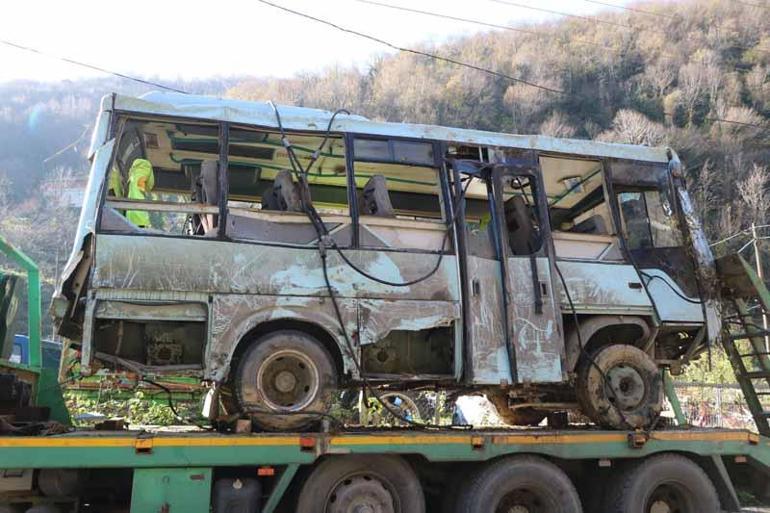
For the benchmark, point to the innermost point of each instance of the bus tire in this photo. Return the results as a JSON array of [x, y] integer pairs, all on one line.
[[283, 374], [513, 483], [371, 482], [636, 397], [676, 482]]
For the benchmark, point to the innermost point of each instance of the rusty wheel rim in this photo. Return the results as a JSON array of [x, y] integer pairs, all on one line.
[[628, 387], [288, 380]]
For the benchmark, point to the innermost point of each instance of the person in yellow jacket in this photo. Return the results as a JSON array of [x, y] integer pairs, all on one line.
[[141, 180]]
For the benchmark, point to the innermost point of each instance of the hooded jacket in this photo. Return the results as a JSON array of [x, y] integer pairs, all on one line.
[[141, 180]]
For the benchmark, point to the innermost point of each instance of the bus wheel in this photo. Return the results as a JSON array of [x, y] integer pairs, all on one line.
[[514, 417], [523, 484], [620, 387], [365, 483], [283, 375], [663, 484]]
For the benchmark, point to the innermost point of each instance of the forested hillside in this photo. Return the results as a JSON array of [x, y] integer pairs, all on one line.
[[661, 74], [694, 75]]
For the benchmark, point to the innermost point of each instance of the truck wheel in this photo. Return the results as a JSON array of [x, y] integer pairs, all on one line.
[[620, 387], [526, 484], [517, 417], [366, 483], [665, 483], [284, 374]]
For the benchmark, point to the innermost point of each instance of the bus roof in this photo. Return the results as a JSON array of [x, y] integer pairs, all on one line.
[[306, 119]]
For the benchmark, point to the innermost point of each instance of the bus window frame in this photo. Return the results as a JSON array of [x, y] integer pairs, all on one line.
[[438, 166], [668, 183]]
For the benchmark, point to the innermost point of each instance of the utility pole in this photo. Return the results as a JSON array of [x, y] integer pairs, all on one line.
[[761, 274]]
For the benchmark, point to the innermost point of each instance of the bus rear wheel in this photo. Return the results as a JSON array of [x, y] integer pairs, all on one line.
[[362, 483], [668, 483], [522, 484], [285, 380], [620, 387]]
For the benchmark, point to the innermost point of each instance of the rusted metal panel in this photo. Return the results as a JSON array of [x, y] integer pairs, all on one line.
[[252, 283], [604, 288], [537, 336], [488, 357], [173, 264], [379, 317], [151, 311], [234, 315]]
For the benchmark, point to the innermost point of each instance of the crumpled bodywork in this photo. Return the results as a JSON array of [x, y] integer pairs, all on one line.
[[706, 267], [250, 284]]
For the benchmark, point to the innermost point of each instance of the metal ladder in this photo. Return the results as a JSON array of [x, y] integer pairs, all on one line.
[[745, 300]]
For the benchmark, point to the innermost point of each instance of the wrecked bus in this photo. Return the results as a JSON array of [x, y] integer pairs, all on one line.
[[284, 253]]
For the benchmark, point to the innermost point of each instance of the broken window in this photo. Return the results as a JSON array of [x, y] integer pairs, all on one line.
[[152, 183], [576, 196], [646, 206], [581, 221], [399, 194], [520, 213], [648, 220], [266, 198]]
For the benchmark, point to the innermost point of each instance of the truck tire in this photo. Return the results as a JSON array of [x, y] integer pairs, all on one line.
[[283, 374], [668, 482], [516, 417], [519, 483], [620, 387], [372, 483]]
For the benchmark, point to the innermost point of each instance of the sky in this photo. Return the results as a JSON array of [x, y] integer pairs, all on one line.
[[172, 39]]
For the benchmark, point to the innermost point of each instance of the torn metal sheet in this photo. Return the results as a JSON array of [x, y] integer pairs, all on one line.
[[379, 317], [235, 315]]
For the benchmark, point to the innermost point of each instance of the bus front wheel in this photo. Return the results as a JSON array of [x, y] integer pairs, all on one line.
[[285, 381], [620, 387]]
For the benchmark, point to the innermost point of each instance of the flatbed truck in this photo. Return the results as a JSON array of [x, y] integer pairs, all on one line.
[[145, 472], [52, 468]]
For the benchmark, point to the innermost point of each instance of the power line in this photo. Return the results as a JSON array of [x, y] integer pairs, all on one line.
[[672, 17], [80, 138], [632, 9], [577, 16], [728, 121], [607, 22], [90, 66], [449, 17], [487, 24], [410, 50]]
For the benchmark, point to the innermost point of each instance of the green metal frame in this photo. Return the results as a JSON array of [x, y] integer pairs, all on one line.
[[189, 459], [34, 315], [668, 386]]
